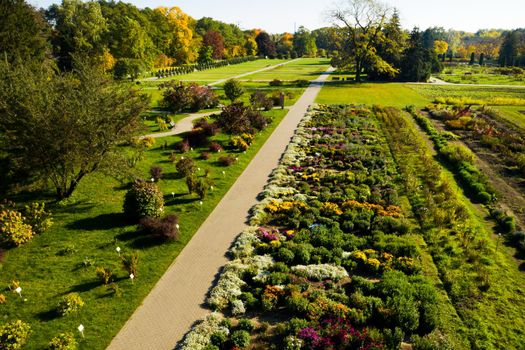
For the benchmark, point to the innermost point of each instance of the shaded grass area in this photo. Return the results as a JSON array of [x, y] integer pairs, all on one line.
[[85, 235], [395, 95]]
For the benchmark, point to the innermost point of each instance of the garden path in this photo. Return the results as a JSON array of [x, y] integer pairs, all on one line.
[[178, 299]]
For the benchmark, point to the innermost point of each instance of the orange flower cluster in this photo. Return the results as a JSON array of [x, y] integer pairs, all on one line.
[[392, 210], [276, 206], [332, 208]]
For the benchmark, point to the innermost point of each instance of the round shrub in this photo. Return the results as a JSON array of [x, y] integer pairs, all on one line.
[[233, 89], [63, 341], [276, 82], [13, 230], [508, 224], [69, 304], [144, 199], [245, 325], [285, 255], [37, 216], [484, 197], [13, 335], [185, 167], [219, 338], [240, 339], [166, 228]]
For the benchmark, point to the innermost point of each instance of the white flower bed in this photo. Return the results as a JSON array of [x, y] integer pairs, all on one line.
[[199, 337], [321, 272], [227, 289]]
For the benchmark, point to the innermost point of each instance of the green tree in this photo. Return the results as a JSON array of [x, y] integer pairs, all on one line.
[[304, 43], [23, 31], [472, 59], [509, 49], [79, 29], [360, 24], [128, 67], [233, 89], [417, 61], [481, 59], [265, 46], [205, 54], [60, 127]]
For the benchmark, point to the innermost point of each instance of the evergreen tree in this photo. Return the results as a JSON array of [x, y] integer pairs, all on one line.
[[509, 49], [417, 60], [265, 46], [472, 59], [481, 59]]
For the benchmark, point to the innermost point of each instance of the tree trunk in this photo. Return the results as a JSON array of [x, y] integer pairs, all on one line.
[[358, 71]]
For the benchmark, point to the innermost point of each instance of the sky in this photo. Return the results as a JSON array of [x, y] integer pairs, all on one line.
[[278, 16]]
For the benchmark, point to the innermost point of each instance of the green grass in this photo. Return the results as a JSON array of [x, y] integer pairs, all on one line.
[[91, 226], [514, 114], [476, 92], [395, 95], [476, 74], [302, 69]]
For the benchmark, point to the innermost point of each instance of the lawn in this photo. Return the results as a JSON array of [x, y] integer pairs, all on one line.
[[87, 231], [466, 74], [302, 69], [476, 92], [514, 114], [395, 95]]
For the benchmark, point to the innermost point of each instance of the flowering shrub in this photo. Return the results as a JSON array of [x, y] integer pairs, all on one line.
[[14, 335], [178, 97], [13, 230], [143, 199], [228, 288], [69, 304], [199, 336], [321, 272], [63, 341], [37, 217]]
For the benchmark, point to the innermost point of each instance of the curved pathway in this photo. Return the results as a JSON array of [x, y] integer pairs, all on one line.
[[177, 300]]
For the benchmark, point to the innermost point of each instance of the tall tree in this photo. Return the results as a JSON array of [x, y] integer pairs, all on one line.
[[417, 61], [509, 49], [78, 30], [60, 127], [360, 23], [182, 45], [23, 31], [214, 40], [265, 45], [304, 43]]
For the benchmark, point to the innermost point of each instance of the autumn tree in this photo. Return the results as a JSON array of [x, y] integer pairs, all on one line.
[[23, 31], [360, 23], [214, 40], [182, 42], [58, 127], [265, 45]]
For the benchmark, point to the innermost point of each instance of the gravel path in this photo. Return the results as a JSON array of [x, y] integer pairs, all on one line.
[[177, 301]]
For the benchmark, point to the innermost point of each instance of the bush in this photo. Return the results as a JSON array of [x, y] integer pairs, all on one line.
[[144, 199], [205, 155], [245, 325], [156, 173], [13, 335], [178, 97], [63, 341], [226, 160], [276, 82], [130, 263], [240, 339], [201, 188], [182, 146], [105, 275], [259, 100], [185, 167], [239, 144], [13, 230], [237, 119], [165, 228], [191, 183], [219, 338], [233, 89], [69, 304], [37, 216], [215, 147], [302, 83]]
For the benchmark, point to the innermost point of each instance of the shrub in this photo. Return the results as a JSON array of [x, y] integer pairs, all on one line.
[[239, 144], [130, 263], [237, 119], [259, 100], [302, 83], [3, 299], [185, 167], [105, 275], [182, 146], [226, 160], [210, 129], [13, 230], [233, 89], [245, 325], [145, 142], [63, 341], [165, 228], [219, 338], [156, 173], [144, 199], [13, 335], [205, 155], [215, 147], [240, 339], [191, 183], [276, 82], [201, 188], [238, 307], [178, 97], [69, 304], [37, 216]]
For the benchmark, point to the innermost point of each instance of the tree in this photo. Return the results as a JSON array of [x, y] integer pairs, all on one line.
[[23, 31], [472, 59], [509, 49], [250, 46], [125, 67], [304, 43], [205, 54], [59, 127], [417, 61], [441, 47], [214, 40], [233, 89], [182, 43], [481, 59], [265, 46], [79, 29], [360, 24]]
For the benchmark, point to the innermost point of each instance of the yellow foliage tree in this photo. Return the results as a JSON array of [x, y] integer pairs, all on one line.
[[441, 47], [183, 43], [107, 61]]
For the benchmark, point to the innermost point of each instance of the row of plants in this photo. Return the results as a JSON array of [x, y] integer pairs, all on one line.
[[190, 68], [460, 158], [330, 251], [463, 251]]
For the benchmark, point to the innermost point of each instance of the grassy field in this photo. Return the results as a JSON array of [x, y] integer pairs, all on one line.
[[302, 69], [85, 235], [395, 95], [477, 92], [466, 74], [514, 114]]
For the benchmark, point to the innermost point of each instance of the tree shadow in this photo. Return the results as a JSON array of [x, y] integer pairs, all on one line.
[[49, 315], [522, 266], [83, 287], [147, 241], [100, 223]]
